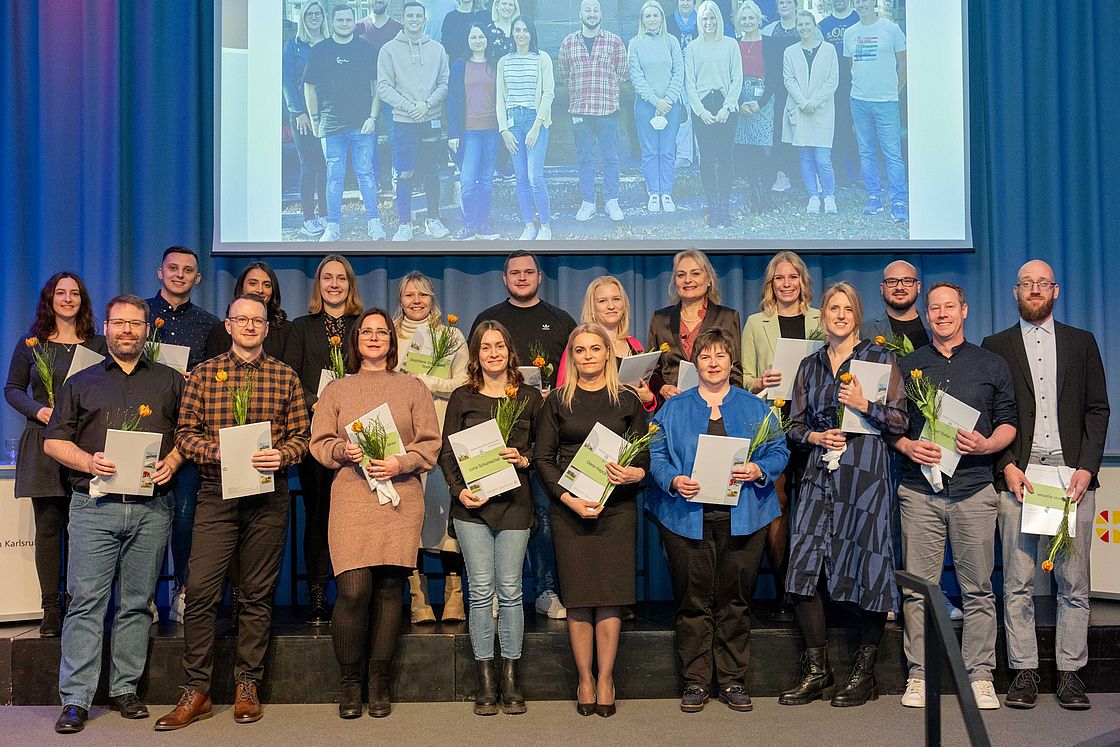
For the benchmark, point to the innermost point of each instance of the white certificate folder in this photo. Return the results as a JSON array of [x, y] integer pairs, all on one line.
[[135, 454], [716, 456], [238, 444], [478, 452]]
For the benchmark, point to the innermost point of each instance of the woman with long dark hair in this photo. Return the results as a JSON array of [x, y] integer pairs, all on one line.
[[63, 320], [257, 279]]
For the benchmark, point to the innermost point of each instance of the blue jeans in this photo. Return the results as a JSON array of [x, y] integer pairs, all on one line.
[[110, 541], [542, 556], [877, 122], [816, 163], [494, 560], [186, 499], [361, 148], [416, 153], [312, 173], [589, 132], [479, 151], [659, 149], [528, 166]]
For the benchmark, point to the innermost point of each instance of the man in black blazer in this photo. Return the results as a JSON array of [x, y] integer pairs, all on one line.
[[1062, 400]]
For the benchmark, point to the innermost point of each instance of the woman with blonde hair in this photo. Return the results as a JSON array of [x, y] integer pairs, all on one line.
[[312, 29], [787, 292], [334, 307], [695, 298], [499, 32], [417, 313], [595, 542]]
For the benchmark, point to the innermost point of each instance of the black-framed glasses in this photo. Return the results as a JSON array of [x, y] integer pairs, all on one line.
[[368, 333], [243, 321], [893, 282], [120, 324], [1042, 285]]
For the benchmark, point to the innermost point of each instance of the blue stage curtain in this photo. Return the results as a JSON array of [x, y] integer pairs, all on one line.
[[106, 150]]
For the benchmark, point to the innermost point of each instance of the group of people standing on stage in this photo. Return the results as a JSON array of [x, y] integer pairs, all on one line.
[[757, 93], [819, 502]]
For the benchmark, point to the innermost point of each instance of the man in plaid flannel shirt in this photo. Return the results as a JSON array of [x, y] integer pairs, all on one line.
[[251, 527], [592, 64]]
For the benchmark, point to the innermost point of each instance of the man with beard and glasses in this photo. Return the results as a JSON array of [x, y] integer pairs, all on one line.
[[116, 540], [900, 288], [539, 327], [592, 63], [1062, 400]]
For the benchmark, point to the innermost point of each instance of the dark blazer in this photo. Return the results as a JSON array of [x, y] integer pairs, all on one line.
[[665, 326], [1082, 398]]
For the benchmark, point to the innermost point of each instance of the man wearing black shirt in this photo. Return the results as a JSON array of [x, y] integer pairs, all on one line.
[[340, 85], [900, 288], [964, 506], [116, 540], [534, 324]]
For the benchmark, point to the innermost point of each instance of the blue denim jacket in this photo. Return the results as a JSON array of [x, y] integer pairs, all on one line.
[[293, 63], [683, 418]]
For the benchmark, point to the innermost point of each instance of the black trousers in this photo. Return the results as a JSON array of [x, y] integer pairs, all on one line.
[[716, 155], [315, 483], [713, 581], [252, 530]]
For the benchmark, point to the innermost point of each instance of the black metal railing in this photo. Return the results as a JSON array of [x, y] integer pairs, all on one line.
[[941, 641]]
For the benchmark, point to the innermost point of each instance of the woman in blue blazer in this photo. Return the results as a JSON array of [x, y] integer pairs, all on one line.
[[714, 552]]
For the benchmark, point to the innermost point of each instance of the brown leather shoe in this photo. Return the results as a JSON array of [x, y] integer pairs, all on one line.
[[247, 708], [193, 706]]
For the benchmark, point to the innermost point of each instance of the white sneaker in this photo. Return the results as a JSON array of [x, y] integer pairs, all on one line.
[[781, 183], [529, 233], [404, 232], [614, 211], [311, 228], [332, 232], [667, 205], [985, 693], [814, 205], [955, 613], [654, 205], [548, 604], [915, 695], [154, 610], [434, 228], [545, 234], [830, 204], [374, 229], [178, 605], [586, 210]]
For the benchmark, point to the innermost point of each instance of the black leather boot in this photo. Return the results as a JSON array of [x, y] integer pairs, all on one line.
[[350, 699], [512, 699], [860, 686], [486, 696], [815, 682], [380, 704], [51, 624], [317, 606]]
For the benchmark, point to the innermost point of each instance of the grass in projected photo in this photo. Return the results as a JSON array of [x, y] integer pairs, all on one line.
[[788, 162]]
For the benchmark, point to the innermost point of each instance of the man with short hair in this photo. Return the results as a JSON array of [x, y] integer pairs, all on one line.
[[179, 321], [845, 153], [964, 509], [116, 540], [534, 324], [877, 48], [592, 64], [251, 527], [340, 85], [1063, 410], [900, 288], [412, 78]]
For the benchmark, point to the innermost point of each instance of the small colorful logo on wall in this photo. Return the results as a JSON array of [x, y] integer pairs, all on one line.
[[1107, 526]]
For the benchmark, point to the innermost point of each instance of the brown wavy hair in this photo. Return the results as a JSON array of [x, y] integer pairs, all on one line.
[[474, 346], [44, 325], [353, 353]]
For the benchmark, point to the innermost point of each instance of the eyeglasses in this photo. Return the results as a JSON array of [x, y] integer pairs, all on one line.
[[1042, 285], [906, 282], [367, 333], [243, 321], [117, 325]]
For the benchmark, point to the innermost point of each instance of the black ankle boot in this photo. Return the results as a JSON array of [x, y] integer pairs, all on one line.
[[317, 606], [350, 699], [860, 686], [51, 624], [380, 704], [486, 696], [512, 699], [815, 682]]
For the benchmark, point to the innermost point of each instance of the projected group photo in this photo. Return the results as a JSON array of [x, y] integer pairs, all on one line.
[[599, 120]]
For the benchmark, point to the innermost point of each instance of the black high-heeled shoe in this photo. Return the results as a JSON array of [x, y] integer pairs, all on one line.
[[606, 710], [584, 709]]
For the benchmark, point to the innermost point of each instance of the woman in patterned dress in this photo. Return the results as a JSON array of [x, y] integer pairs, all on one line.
[[842, 530]]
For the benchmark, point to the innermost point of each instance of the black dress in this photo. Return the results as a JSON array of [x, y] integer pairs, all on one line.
[[595, 558], [37, 475]]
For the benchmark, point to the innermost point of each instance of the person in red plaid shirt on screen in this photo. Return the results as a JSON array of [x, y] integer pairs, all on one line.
[[592, 64]]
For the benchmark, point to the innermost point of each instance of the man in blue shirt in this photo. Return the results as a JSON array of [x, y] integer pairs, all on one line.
[[965, 507]]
